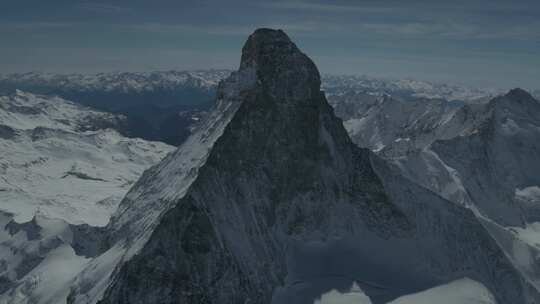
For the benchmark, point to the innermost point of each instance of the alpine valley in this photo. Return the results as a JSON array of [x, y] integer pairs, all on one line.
[[285, 187]]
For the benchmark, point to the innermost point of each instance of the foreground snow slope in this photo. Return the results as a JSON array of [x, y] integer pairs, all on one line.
[[63, 171], [462, 291], [56, 157]]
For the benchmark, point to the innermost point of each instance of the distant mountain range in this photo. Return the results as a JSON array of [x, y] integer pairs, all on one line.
[[192, 87], [158, 106], [404, 88], [164, 105], [120, 82]]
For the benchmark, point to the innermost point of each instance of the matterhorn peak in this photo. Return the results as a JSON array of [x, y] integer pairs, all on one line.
[[280, 65]]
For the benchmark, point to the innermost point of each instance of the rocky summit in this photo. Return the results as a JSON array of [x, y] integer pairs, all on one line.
[[269, 201]]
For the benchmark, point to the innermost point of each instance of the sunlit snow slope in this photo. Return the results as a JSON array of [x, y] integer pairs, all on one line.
[[56, 159], [63, 171]]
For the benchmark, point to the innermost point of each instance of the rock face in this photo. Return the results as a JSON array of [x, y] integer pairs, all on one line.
[[377, 122], [500, 158], [494, 169], [481, 155], [283, 207]]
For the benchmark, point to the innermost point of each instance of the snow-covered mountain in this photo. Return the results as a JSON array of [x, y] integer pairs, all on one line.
[[63, 170], [269, 201], [207, 80], [51, 146], [484, 156], [375, 122], [406, 89], [116, 81], [158, 105]]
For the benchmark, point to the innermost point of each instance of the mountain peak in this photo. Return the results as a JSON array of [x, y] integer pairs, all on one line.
[[518, 94], [264, 43], [280, 66], [517, 100]]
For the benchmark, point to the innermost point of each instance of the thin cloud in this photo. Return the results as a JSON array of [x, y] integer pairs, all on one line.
[[161, 28], [105, 8], [324, 7], [453, 30], [32, 26], [227, 30]]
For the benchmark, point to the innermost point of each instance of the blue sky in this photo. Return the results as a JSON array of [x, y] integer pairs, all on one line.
[[477, 42]]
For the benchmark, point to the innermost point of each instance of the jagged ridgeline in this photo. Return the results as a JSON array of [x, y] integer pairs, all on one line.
[[282, 207]]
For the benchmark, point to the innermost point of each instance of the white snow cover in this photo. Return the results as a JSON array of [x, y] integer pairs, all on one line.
[[39, 261], [463, 291], [26, 111], [208, 79], [530, 234], [50, 280], [123, 81], [354, 295], [52, 174], [64, 173], [336, 84], [529, 194]]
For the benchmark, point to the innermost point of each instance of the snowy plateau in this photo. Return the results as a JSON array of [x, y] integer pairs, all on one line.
[[290, 188]]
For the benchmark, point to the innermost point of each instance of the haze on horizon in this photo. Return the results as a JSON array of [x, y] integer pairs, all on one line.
[[479, 42]]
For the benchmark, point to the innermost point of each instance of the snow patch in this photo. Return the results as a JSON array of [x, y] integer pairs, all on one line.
[[530, 234], [463, 291], [354, 295], [50, 281], [529, 194], [510, 127]]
